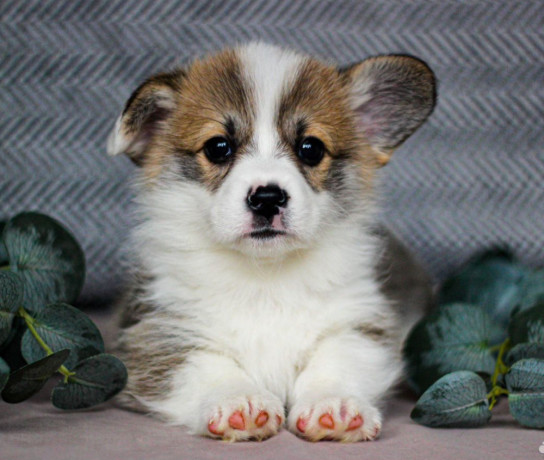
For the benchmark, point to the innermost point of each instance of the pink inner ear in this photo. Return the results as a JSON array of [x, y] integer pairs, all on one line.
[[372, 120]]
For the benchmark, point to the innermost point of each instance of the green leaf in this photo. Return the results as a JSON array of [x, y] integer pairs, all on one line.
[[11, 291], [6, 321], [528, 325], [4, 373], [30, 379], [524, 351], [47, 257], [492, 281], [455, 337], [97, 379], [458, 399], [525, 382], [11, 296], [532, 291], [63, 326]]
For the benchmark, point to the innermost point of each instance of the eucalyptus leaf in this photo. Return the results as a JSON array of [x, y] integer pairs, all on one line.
[[532, 291], [454, 337], [3, 252], [525, 383], [11, 291], [524, 351], [98, 379], [458, 399], [63, 326], [4, 373], [6, 322], [528, 325], [27, 381], [493, 281], [11, 295], [47, 257]]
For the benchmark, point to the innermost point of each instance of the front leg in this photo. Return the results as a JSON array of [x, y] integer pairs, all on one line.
[[337, 394], [213, 396]]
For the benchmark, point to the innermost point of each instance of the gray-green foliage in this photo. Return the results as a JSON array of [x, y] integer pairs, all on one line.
[[11, 296], [503, 301], [47, 257], [28, 380], [492, 281], [456, 336], [93, 383], [41, 268], [525, 383], [458, 399], [63, 326]]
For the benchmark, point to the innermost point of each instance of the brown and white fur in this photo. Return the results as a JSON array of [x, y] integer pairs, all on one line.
[[238, 324]]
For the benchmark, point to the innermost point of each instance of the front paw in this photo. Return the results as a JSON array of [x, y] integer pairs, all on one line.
[[245, 417], [334, 418]]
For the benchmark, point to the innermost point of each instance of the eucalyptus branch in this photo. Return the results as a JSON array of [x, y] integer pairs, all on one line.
[[30, 322]]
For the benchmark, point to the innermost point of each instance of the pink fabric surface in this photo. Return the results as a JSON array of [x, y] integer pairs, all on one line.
[[36, 430]]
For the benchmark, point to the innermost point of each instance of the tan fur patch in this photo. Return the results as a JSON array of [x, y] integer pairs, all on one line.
[[213, 100], [317, 105], [150, 357]]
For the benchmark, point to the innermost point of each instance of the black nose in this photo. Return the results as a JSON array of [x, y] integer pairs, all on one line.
[[266, 201]]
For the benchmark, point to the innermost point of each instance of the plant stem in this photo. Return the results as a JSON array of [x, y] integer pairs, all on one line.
[[500, 368], [4, 267], [29, 320], [494, 393], [495, 348]]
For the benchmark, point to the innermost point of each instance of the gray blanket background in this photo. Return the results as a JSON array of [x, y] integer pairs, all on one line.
[[471, 178]]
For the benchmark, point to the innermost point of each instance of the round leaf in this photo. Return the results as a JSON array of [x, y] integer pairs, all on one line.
[[525, 382], [11, 291], [6, 322], [455, 337], [528, 325], [492, 281], [27, 381], [11, 295], [4, 373], [47, 257], [63, 326], [97, 379], [532, 291], [524, 351], [458, 399]]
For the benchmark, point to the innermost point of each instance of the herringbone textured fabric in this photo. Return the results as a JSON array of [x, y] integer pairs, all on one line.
[[471, 178]]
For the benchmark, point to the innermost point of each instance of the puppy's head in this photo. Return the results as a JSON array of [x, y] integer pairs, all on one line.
[[262, 150]]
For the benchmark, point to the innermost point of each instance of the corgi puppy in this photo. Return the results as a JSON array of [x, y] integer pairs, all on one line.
[[256, 300]]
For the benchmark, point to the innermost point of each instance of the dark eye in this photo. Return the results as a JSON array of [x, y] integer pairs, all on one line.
[[311, 151], [218, 149]]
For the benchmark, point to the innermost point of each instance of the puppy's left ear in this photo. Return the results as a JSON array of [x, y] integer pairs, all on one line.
[[147, 108], [391, 96]]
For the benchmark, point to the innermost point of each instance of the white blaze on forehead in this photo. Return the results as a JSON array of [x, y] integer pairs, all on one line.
[[270, 70]]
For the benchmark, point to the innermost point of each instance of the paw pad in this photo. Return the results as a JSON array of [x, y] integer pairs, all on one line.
[[326, 421]]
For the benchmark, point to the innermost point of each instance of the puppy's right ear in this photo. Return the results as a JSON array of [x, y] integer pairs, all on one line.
[[151, 104]]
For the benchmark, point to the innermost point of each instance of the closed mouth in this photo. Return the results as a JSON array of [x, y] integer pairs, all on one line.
[[266, 233]]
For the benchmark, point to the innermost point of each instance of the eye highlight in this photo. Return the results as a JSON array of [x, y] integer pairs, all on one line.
[[218, 149], [311, 151]]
